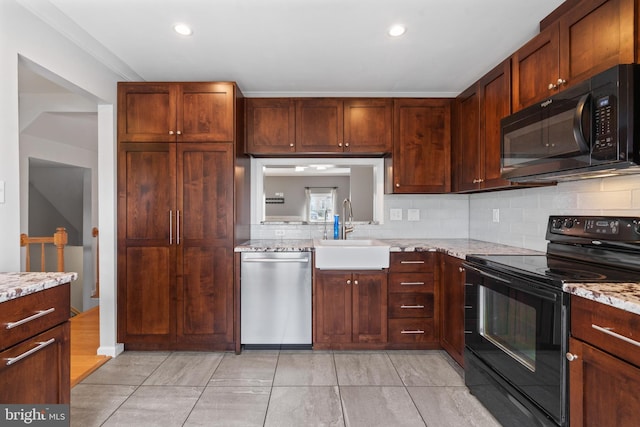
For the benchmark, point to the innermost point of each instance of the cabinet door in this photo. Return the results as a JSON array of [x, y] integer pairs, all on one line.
[[495, 104], [596, 35], [319, 125], [467, 153], [367, 125], [452, 308], [205, 112], [603, 388], [205, 242], [40, 373], [369, 307], [146, 242], [535, 68], [333, 310], [421, 146], [147, 112], [271, 126]]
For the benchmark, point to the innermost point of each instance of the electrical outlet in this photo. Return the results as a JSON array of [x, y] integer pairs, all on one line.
[[280, 233], [496, 215], [413, 214], [395, 214]]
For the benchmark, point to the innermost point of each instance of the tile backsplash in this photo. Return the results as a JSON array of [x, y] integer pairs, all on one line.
[[522, 214]]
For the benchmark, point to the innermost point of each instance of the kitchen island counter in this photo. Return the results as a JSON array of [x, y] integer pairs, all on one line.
[[19, 284]]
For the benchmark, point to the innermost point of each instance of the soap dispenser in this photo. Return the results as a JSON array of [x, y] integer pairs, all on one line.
[[336, 227]]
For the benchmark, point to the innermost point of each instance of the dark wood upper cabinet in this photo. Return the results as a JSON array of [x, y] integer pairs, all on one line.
[[368, 125], [476, 147], [421, 146], [271, 126], [308, 126], [319, 124], [590, 37], [175, 112]]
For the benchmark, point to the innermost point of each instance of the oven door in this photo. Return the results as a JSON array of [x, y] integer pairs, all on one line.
[[518, 329]]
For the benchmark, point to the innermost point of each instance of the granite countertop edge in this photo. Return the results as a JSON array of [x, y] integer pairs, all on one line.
[[18, 284]]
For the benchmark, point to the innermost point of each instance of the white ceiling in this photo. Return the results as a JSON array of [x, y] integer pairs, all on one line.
[[302, 47]]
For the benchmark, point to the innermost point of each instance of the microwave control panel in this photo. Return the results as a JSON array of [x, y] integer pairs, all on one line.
[[605, 144]]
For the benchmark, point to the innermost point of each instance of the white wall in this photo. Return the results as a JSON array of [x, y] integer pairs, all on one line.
[[524, 213], [21, 33]]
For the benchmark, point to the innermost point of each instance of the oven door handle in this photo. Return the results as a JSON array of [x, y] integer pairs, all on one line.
[[551, 296]]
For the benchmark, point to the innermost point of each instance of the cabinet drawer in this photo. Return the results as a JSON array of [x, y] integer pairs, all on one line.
[[29, 315], [411, 282], [413, 262], [611, 329], [410, 305], [411, 330]]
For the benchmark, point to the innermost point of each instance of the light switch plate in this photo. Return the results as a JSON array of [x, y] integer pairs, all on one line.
[[413, 214], [395, 214], [496, 215]]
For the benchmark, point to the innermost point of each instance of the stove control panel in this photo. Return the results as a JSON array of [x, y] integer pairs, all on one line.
[[626, 229]]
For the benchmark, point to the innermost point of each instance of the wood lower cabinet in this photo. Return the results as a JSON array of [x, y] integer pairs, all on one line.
[[36, 354], [604, 371], [175, 255], [421, 159], [413, 304], [350, 309], [452, 307], [591, 37]]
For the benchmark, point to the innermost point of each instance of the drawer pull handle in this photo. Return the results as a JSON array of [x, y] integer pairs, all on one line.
[[40, 346], [30, 318], [411, 283], [608, 331], [412, 332], [411, 262], [412, 306]]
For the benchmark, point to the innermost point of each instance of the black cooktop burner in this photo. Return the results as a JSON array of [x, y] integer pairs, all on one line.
[[551, 270]]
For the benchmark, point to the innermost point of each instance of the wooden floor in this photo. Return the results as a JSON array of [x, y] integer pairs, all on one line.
[[85, 340]]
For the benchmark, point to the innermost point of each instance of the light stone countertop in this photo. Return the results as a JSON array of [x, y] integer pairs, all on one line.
[[15, 285], [625, 296]]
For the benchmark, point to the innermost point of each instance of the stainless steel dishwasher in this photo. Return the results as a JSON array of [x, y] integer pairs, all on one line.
[[275, 299]]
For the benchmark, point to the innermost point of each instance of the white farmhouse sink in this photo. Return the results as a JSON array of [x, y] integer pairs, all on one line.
[[351, 254]]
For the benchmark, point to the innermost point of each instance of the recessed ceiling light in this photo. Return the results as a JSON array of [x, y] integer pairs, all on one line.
[[183, 29], [397, 30]]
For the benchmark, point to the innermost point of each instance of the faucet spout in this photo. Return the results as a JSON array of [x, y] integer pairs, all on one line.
[[347, 229]]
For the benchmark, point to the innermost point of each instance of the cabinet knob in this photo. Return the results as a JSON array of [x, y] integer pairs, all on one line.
[[170, 132], [355, 282], [346, 144], [348, 281], [291, 145], [179, 132], [552, 86], [562, 82], [397, 185], [571, 357], [339, 144], [461, 270]]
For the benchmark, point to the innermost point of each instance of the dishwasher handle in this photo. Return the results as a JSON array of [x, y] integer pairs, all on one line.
[[277, 260]]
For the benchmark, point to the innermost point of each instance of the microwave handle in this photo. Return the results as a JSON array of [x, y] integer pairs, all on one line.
[[578, 132]]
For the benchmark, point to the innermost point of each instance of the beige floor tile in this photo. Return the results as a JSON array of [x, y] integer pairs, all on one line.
[[254, 369], [425, 370], [186, 368], [129, 368], [230, 407], [92, 404], [451, 407], [155, 406], [379, 406], [365, 369], [304, 406], [305, 369]]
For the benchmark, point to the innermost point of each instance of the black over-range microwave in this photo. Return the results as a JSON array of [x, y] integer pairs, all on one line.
[[588, 130]]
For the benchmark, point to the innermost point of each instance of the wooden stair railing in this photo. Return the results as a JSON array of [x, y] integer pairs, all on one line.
[[59, 239]]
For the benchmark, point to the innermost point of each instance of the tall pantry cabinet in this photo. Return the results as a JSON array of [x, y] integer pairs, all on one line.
[[176, 155]]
